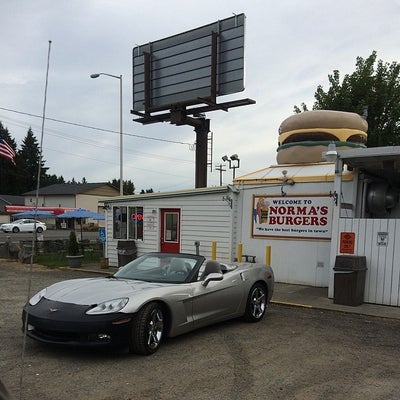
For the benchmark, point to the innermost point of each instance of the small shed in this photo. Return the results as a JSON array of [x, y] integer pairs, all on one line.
[[178, 221]]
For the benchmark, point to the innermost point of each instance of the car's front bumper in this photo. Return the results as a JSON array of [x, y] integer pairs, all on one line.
[[68, 324]]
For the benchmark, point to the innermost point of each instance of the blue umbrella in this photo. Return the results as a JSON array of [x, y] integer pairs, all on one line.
[[34, 214], [81, 213]]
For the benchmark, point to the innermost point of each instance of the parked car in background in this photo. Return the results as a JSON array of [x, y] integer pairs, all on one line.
[[24, 225], [155, 296]]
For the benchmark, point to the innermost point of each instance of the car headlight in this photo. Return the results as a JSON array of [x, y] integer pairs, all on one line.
[[108, 307], [37, 297]]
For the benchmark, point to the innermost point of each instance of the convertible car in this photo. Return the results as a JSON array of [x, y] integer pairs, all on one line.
[[154, 296]]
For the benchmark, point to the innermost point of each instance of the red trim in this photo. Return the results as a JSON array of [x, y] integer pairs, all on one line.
[[55, 210]]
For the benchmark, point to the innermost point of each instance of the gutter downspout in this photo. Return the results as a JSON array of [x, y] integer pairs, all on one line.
[[337, 190]]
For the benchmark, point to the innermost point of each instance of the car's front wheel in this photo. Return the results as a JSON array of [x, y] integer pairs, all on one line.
[[15, 229], [256, 303], [39, 229], [147, 330]]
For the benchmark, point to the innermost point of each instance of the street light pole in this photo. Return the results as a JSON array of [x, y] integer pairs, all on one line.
[[121, 181]]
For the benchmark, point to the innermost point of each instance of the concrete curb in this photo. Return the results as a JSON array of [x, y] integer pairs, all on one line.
[[287, 303]]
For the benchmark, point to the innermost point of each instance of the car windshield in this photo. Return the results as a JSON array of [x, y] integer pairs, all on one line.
[[161, 267]]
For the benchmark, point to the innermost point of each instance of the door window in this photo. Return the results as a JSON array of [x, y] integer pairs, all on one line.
[[171, 225]]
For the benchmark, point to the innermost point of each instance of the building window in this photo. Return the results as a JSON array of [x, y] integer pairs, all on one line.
[[128, 222], [135, 225]]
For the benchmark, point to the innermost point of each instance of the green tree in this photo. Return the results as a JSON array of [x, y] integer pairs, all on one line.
[[27, 160], [8, 171], [52, 180], [372, 90], [128, 186]]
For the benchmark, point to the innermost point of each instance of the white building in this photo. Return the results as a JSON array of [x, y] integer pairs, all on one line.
[[307, 214], [173, 222]]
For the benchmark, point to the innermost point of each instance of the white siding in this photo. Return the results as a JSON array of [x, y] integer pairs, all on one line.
[[205, 217], [382, 282], [294, 261]]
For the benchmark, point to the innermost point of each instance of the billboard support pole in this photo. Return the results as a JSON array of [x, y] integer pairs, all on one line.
[[201, 130], [201, 126]]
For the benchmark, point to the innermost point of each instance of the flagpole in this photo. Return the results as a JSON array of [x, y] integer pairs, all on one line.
[[21, 378], [42, 132]]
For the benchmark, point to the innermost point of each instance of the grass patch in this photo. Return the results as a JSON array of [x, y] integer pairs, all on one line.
[[58, 259]]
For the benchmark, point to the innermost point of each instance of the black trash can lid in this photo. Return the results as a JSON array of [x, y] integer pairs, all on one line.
[[126, 244], [350, 262]]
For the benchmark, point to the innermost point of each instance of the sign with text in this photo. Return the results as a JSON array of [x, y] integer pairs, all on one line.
[[303, 217], [347, 242], [382, 239]]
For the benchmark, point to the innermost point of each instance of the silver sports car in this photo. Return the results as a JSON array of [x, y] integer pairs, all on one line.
[[157, 295]]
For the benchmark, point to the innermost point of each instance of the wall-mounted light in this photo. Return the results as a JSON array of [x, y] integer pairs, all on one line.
[[286, 181], [228, 199], [335, 197], [331, 154]]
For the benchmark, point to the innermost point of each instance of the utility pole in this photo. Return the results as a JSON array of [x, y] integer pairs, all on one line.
[[221, 169]]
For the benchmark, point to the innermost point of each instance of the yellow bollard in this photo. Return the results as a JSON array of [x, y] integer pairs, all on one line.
[[213, 250], [268, 255], [239, 252]]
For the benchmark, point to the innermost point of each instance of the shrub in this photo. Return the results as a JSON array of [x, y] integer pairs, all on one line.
[[73, 246]]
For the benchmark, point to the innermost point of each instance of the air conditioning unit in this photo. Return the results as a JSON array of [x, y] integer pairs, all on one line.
[[381, 197]]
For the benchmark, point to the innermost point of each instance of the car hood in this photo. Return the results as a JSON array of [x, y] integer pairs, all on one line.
[[96, 290]]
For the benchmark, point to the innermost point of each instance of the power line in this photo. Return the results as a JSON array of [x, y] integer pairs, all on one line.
[[61, 135], [56, 133], [93, 127]]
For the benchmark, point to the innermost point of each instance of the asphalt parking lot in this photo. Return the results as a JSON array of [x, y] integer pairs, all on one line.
[[294, 353]]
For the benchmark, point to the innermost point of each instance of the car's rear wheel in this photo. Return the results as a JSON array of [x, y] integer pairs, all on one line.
[[39, 229], [147, 330], [15, 229], [256, 303]]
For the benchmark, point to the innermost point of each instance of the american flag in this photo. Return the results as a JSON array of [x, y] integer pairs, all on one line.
[[6, 151]]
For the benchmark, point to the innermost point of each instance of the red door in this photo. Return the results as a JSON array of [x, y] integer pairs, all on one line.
[[170, 230]]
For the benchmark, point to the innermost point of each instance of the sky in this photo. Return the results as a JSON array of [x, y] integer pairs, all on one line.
[[290, 48]]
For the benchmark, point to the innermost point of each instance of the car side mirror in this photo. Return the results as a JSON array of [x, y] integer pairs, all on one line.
[[214, 276]]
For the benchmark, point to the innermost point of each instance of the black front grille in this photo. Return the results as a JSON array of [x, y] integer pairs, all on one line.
[[69, 325], [54, 336]]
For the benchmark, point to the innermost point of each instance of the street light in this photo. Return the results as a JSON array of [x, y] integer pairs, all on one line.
[[236, 159], [121, 182]]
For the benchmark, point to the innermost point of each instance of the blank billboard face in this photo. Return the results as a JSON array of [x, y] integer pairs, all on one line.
[[183, 69]]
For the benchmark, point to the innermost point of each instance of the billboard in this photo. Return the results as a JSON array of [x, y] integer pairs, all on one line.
[[300, 217], [190, 68]]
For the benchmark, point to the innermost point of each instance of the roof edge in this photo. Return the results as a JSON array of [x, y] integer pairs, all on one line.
[[176, 193]]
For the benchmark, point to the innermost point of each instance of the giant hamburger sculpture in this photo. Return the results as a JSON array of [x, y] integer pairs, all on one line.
[[304, 137]]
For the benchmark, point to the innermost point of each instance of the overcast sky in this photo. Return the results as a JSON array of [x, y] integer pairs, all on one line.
[[291, 47]]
